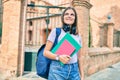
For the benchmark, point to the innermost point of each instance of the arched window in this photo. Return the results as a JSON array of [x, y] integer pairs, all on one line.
[[30, 32], [30, 23]]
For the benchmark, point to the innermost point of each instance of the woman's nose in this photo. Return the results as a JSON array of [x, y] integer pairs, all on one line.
[[69, 15]]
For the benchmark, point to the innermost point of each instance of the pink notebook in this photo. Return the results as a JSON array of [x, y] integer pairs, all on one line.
[[65, 48]]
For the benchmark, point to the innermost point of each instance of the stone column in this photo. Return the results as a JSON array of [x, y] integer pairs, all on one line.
[[21, 45], [82, 7], [10, 37], [110, 35]]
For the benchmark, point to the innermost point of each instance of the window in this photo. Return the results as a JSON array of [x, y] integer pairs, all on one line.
[[30, 23]]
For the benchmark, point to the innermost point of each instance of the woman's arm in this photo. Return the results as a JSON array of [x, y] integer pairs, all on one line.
[[47, 53]]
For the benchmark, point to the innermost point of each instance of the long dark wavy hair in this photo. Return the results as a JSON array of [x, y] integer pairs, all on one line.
[[74, 25]]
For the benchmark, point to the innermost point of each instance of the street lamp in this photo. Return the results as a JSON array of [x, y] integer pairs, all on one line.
[[109, 16]]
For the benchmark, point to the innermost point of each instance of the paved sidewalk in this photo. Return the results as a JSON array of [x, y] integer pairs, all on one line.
[[110, 73], [29, 76]]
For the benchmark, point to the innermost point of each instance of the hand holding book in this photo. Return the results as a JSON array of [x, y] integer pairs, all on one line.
[[64, 59], [66, 46]]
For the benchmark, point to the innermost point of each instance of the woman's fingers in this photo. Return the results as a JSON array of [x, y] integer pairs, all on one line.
[[65, 58]]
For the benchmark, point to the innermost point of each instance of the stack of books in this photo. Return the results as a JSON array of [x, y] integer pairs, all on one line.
[[67, 46]]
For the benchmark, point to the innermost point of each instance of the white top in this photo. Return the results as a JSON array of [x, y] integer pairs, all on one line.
[[52, 36]]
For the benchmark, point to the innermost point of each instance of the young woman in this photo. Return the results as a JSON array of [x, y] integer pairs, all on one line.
[[73, 65]]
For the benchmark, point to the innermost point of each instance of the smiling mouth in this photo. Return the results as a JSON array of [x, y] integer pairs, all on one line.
[[69, 19]]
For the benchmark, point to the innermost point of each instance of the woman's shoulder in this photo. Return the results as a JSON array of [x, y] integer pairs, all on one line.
[[79, 36], [56, 28], [53, 30]]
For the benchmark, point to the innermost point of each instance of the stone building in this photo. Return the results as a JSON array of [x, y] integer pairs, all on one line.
[[101, 13], [26, 26]]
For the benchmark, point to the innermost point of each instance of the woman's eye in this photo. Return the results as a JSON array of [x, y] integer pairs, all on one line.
[[69, 14], [66, 14], [72, 14]]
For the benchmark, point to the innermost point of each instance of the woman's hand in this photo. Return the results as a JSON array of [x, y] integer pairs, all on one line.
[[64, 58], [82, 78]]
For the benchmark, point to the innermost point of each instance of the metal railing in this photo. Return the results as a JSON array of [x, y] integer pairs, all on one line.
[[40, 20]]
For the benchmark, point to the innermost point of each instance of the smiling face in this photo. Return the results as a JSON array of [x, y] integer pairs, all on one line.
[[69, 20], [69, 17]]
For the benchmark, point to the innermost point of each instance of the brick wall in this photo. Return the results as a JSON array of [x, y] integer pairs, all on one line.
[[100, 58], [10, 36], [98, 14]]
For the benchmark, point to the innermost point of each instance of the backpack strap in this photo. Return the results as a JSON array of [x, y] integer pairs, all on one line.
[[58, 31]]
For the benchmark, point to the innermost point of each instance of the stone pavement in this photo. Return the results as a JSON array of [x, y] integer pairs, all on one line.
[[30, 76], [110, 73]]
